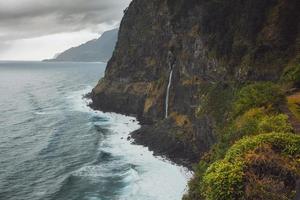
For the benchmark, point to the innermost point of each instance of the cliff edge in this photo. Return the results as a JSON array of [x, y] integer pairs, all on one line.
[[179, 64]]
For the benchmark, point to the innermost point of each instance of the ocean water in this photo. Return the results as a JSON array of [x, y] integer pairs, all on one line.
[[53, 147]]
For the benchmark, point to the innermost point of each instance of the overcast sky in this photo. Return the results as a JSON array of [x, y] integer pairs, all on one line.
[[38, 29]]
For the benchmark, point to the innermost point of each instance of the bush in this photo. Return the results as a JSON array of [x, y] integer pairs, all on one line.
[[274, 123], [287, 143], [253, 110], [270, 175], [258, 120], [226, 179], [257, 95], [253, 122], [292, 74], [294, 104], [194, 184]]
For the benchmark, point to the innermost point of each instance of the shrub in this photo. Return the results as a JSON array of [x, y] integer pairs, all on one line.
[[226, 179], [253, 122], [274, 123], [223, 173], [291, 74], [259, 120], [194, 184], [287, 143], [294, 104], [262, 94], [270, 175]]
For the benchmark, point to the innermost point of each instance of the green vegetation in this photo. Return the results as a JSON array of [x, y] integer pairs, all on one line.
[[228, 179], [215, 100], [294, 104], [291, 74], [258, 95], [285, 143], [259, 120], [223, 180], [255, 104], [254, 143], [253, 122]]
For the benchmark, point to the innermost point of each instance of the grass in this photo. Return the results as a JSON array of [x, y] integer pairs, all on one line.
[[294, 104], [260, 94]]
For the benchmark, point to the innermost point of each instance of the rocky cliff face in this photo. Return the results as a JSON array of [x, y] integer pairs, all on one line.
[[207, 44]]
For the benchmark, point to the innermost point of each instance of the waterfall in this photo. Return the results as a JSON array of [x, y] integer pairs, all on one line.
[[168, 93]]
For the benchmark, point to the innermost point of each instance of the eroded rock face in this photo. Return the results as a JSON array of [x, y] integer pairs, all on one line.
[[206, 43]]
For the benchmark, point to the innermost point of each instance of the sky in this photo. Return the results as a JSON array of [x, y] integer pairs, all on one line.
[[39, 29]]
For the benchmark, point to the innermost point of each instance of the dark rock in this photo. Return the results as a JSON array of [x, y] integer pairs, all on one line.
[[207, 43], [165, 139]]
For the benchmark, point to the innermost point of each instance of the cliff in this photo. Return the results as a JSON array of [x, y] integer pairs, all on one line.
[[97, 50], [201, 53]]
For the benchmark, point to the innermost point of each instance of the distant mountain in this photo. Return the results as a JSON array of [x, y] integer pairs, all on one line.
[[97, 50]]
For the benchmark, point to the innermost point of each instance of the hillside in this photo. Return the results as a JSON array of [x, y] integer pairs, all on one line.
[[97, 50], [203, 75]]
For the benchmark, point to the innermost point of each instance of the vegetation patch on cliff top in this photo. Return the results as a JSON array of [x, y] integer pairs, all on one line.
[[227, 179], [253, 122], [291, 74], [252, 110], [261, 94], [294, 104]]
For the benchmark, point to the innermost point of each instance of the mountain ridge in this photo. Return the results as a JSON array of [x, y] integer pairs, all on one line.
[[96, 50]]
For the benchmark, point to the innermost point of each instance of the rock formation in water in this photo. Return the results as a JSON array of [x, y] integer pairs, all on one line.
[[191, 60], [97, 50]]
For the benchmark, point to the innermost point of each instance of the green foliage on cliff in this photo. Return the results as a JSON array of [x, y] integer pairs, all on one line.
[[258, 95], [259, 120], [294, 104], [232, 48], [215, 100], [249, 110], [252, 111], [223, 180], [285, 143], [226, 102], [253, 122], [227, 179], [291, 74]]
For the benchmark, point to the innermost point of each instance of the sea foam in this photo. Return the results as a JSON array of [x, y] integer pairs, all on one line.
[[148, 177]]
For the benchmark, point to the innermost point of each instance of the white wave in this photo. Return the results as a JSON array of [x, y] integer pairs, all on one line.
[[90, 171], [45, 113], [154, 178], [40, 113]]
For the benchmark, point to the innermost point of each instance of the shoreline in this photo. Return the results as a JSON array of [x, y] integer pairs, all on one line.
[[139, 139], [144, 136], [144, 150], [156, 139]]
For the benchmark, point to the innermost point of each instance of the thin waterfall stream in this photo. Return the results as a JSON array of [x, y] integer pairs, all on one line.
[[168, 93]]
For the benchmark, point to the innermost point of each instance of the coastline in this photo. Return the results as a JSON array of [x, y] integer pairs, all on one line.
[[129, 139], [163, 147], [154, 138]]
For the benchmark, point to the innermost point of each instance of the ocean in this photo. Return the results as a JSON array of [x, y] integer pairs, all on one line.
[[54, 147]]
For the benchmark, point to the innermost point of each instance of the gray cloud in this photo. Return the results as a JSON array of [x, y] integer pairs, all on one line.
[[33, 18]]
